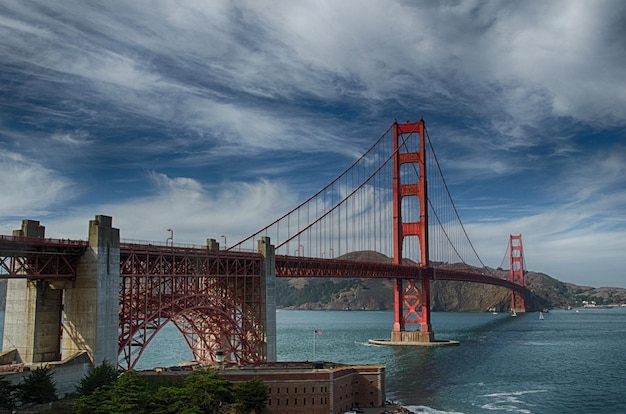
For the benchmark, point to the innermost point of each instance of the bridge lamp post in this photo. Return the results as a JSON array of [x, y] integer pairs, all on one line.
[[219, 357], [171, 238], [301, 250], [224, 237], [332, 253]]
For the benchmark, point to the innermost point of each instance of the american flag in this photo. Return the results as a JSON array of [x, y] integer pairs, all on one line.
[[318, 332]]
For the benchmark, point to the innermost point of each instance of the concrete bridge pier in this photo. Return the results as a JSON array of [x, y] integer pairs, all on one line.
[[33, 312], [91, 308], [269, 296], [52, 320]]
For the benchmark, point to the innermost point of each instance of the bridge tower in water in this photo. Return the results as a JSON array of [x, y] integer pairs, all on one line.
[[412, 296], [517, 272]]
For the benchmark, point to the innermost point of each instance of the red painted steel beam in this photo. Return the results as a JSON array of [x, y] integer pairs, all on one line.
[[297, 266], [214, 298], [38, 258], [466, 276]]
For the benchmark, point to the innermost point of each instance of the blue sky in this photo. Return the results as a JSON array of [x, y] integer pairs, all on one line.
[[215, 117]]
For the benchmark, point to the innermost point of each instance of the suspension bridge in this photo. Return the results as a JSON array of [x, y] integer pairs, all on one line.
[[388, 215]]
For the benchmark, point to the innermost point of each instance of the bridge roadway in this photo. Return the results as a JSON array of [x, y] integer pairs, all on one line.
[[43, 259]]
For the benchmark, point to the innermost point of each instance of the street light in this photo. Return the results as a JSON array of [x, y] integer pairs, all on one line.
[[171, 238], [219, 357], [224, 237]]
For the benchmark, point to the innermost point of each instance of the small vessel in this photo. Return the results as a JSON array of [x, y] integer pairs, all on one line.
[[541, 315], [514, 313]]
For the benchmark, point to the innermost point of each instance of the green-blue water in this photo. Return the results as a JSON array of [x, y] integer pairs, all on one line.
[[569, 362]]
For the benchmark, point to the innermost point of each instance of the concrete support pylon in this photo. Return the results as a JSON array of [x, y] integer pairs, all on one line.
[[91, 309], [269, 297], [33, 312]]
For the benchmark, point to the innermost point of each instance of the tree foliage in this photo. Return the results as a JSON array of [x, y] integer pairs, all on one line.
[[103, 374], [203, 391], [128, 394], [207, 389], [37, 387], [251, 395], [8, 395]]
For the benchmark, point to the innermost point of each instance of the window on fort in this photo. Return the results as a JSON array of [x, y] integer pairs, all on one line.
[[277, 390], [287, 401], [295, 402], [295, 390], [304, 401]]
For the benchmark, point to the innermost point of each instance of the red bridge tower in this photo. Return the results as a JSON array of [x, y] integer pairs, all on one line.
[[411, 303], [517, 272]]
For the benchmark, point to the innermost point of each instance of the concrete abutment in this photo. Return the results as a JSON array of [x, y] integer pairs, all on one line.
[[48, 321], [91, 309]]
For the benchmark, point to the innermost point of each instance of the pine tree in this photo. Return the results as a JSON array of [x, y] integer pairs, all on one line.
[[103, 374], [251, 395], [7, 395], [38, 387]]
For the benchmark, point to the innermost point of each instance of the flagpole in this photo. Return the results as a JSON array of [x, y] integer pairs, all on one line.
[[314, 335]]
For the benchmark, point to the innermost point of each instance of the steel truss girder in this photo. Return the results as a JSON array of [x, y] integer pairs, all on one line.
[[214, 298], [38, 259], [298, 266]]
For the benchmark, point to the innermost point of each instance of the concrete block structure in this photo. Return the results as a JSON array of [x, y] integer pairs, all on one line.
[[269, 296], [91, 308], [33, 311], [48, 320], [310, 387]]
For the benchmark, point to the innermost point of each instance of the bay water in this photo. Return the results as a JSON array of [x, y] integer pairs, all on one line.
[[569, 362]]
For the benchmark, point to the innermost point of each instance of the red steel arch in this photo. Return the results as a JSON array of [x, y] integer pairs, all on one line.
[[215, 299]]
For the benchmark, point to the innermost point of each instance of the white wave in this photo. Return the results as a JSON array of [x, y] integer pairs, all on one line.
[[427, 410], [509, 401]]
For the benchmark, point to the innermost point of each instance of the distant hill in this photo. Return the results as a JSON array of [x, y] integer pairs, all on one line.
[[377, 294]]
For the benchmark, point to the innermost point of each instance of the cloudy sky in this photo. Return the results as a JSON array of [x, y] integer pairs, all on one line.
[[214, 117]]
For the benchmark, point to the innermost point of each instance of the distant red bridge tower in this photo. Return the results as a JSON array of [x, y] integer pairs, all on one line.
[[517, 272]]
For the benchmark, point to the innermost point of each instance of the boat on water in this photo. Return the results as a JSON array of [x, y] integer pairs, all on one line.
[[541, 315], [513, 313]]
